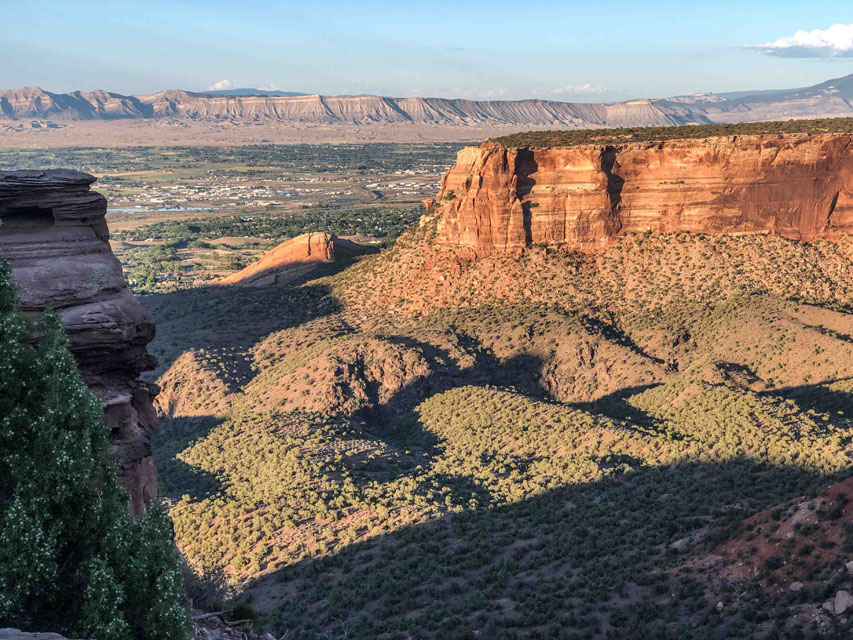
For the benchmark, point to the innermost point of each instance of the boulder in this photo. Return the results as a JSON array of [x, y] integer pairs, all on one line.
[[843, 601]]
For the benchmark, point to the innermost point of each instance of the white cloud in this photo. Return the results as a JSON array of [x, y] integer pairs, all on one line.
[[835, 42], [581, 88], [222, 84], [270, 87]]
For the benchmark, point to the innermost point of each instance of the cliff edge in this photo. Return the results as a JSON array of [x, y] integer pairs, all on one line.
[[502, 199], [53, 229]]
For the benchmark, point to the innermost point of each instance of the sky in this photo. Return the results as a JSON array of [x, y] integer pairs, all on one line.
[[575, 51]]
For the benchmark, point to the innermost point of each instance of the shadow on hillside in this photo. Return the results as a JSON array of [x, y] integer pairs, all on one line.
[[175, 477], [325, 269], [819, 397], [616, 406], [300, 273], [826, 331], [561, 561], [394, 422], [611, 331], [519, 372], [230, 316]]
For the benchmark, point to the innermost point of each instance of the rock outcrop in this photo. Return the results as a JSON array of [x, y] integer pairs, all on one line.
[[53, 229], [206, 628], [14, 634], [498, 199], [295, 258]]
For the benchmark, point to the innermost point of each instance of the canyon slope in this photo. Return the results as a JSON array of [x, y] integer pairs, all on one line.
[[503, 199], [828, 99], [504, 439], [53, 230]]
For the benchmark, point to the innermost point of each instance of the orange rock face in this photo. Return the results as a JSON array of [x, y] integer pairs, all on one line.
[[295, 258], [502, 200]]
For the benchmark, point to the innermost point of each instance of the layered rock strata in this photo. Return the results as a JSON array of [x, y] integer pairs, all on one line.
[[53, 229], [498, 199], [827, 99], [295, 258]]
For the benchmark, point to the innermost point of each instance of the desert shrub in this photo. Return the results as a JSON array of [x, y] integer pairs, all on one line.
[[568, 138]]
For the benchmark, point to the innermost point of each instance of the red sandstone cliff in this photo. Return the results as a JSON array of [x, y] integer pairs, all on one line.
[[295, 258], [497, 199], [54, 231]]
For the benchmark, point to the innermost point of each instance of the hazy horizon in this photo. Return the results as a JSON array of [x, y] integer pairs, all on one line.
[[560, 51], [246, 89]]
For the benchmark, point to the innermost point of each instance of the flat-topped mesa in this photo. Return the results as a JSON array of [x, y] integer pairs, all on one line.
[[54, 232], [499, 199]]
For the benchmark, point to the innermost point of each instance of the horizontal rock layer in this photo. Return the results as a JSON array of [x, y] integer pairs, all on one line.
[[33, 102], [53, 229], [295, 258], [831, 98], [497, 199]]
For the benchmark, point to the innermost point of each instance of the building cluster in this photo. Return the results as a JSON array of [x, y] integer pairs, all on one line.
[[245, 191]]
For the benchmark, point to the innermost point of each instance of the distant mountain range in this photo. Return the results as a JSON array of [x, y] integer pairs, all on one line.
[[828, 99]]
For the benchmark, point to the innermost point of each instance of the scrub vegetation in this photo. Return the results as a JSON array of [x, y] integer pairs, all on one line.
[[553, 446]]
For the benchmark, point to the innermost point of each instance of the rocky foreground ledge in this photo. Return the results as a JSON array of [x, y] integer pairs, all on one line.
[[209, 628], [54, 232], [14, 634]]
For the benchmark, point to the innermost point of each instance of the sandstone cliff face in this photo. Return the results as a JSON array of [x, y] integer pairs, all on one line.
[[497, 199], [52, 228], [295, 258]]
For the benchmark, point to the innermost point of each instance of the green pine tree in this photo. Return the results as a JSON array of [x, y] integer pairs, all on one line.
[[71, 559]]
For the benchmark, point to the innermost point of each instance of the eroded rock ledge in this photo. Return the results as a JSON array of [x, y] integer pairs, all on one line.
[[54, 231], [295, 258], [498, 199]]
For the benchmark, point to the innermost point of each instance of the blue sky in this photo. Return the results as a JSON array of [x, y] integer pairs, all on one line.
[[576, 51]]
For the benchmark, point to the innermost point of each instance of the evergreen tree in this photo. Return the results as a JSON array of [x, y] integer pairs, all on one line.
[[71, 558]]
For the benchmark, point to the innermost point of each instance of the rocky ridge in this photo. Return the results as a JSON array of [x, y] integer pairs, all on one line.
[[30, 102], [53, 230], [499, 199], [827, 99], [295, 258]]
